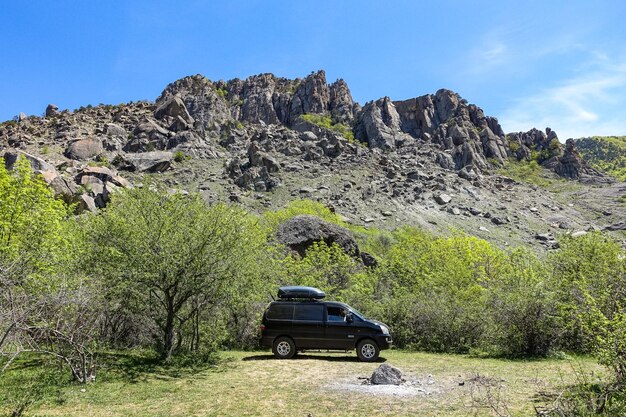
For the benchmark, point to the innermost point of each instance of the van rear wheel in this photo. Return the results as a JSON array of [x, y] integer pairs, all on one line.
[[284, 348], [367, 350]]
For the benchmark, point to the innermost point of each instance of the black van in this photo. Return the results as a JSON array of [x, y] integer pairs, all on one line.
[[300, 321]]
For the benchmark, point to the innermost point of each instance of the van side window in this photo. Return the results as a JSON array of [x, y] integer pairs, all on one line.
[[280, 312], [336, 314], [310, 312]]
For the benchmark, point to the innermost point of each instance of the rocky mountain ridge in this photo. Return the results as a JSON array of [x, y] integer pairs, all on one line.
[[434, 160]]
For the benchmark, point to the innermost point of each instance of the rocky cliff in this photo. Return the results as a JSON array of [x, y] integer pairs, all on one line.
[[433, 160]]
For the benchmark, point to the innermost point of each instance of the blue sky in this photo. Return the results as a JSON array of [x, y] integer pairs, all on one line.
[[530, 63]]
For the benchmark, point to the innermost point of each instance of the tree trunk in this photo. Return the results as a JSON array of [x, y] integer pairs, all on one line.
[[168, 332]]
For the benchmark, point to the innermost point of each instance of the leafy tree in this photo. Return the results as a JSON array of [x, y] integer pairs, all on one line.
[[438, 289], [45, 306], [520, 308], [324, 266], [590, 267], [172, 256]]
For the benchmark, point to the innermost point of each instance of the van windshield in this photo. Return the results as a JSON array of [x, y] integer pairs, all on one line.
[[356, 313]]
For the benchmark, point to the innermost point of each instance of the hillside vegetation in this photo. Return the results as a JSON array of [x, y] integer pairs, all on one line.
[[170, 274], [606, 153]]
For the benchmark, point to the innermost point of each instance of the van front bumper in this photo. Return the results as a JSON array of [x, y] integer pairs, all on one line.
[[384, 341]]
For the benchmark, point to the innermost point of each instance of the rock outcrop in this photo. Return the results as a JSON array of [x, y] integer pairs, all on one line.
[[449, 121], [430, 161], [300, 232], [547, 150]]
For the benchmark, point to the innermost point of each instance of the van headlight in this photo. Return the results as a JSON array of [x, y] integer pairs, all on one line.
[[384, 329]]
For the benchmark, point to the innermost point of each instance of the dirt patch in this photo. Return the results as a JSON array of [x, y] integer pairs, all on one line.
[[413, 386]]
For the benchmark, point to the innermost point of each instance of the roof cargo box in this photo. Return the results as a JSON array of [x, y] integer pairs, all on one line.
[[300, 292]]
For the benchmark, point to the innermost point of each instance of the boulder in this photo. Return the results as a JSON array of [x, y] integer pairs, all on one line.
[[308, 136], [300, 232], [386, 374], [38, 165], [103, 173], [156, 161], [83, 149], [87, 203], [442, 199], [52, 110], [174, 107], [113, 129], [616, 226], [147, 135], [368, 260], [258, 158], [253, 178], [61, 187]]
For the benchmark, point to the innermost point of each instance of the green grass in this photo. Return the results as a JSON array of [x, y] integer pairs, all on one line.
[[255, 384], [327, 123], [526, 172]]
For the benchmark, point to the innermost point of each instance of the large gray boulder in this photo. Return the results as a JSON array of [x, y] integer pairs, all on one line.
[[156, 161], [52, 110], [300, 232], [259, 158], [173, 107], [84, 149], [37, 164], [386, 375], [147, 135]]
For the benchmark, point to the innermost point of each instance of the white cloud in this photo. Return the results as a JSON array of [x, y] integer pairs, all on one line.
[[591, 103]]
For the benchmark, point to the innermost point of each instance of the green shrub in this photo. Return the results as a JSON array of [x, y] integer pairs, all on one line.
[[221, 92], [326, 122], [179, 156]]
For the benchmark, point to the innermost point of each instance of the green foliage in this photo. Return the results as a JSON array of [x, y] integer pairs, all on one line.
[[589, 274], [526, 171], [521, 308], [326, 122], [179, 156], [439, 286], [174, 257], [31, 219], [221, 92], [29, 383], [326, 267], [606, 153], [272, 219]]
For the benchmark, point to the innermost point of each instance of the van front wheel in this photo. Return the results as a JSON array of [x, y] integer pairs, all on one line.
[[284, 348], [367, 350]]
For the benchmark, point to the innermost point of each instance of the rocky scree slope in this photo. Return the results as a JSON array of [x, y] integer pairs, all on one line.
[[431, 161]]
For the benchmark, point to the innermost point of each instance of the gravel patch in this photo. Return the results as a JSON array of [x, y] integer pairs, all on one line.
[[411, 387]]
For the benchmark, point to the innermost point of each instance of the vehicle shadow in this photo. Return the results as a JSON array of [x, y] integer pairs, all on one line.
[[341, 357]]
